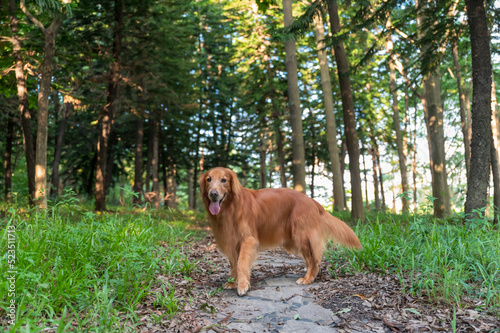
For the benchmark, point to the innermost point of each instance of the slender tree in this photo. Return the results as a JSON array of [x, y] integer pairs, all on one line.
[[477, 183], [50, 34], [68, 107], [107, 113], [433, 114], [331, 126], [348, 111], [397, 125], [298, 152], [22, 93]]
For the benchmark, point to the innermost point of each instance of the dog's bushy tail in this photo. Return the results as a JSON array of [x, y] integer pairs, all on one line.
[[340, 232]]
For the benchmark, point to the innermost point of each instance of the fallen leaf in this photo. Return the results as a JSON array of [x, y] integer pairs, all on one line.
[[343, 311]]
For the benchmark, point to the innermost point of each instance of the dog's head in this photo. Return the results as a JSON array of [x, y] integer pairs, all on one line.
[[218, 185]]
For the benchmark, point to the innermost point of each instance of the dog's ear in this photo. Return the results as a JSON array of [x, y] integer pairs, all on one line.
[[203, 185], [235, 183]]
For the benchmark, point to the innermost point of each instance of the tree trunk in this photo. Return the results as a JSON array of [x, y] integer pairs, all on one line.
[[464, 120], [171, 188], [91, 177], [190, 181], [477, 183], [7, 158], [107, 113], [47, 66], [343, 152], [349, 117], [397, 126], [433, 114], [196, 161], [110, 159], [495, 152], [22, 93], [331, 126], [298, 151], [414, 160], [281, 156], [49, 49], [262, 163], [139, 137], [380, 175], [375, 179], [68, 107], [434, 123], [365, 174], [151, 130], [155, 165]]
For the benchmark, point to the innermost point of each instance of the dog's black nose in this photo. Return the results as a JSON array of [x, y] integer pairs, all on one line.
[[214, 194]]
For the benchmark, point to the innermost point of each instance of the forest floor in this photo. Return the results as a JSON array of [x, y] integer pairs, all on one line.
[[358, 302]]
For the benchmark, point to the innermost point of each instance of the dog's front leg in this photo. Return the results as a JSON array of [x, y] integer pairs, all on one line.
[[248, 252]]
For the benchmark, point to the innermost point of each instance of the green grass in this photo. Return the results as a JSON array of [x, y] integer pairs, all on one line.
[[447, 260], [75, 267]]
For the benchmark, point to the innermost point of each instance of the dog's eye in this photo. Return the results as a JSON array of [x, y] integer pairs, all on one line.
[[223, 180], [209, 179]]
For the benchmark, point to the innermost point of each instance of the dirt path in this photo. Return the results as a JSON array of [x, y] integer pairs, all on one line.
[[354, 303]]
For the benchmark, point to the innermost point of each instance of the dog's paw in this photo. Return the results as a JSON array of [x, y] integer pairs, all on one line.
[[229, 285], [303, 281], [243, 287]]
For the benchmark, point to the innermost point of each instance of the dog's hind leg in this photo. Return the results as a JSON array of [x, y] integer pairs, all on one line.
[[311, 250]]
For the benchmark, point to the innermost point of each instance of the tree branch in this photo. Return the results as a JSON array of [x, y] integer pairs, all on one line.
[[31, 17]]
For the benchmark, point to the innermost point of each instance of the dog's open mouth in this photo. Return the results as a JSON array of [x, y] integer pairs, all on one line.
[[214, 206]]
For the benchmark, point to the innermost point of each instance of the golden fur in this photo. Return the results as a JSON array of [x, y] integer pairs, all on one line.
[[245, 221]]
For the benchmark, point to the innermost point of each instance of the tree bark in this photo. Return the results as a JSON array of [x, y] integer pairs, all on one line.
[[437, 154], [397, 125], [7, 158], [343, 153], [110, 158], [139, 138], [107, 112], [380, 175], [464, 119], [281, 155], [43, 112], [155, 165], [375, 179], [68, 107], [22, 93], [149, 158], [433, 114], [331, 126], [50, 34], [298, 151], [262, 159], [349, 117], [477, 183], [365, 178]]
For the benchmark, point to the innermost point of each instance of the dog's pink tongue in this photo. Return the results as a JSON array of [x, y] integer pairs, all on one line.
[[214, 207]]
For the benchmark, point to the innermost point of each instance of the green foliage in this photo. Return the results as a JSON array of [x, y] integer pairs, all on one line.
[[444, 260], [73, 264]]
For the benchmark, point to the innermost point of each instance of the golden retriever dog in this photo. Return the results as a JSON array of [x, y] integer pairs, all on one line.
[[245, 221]]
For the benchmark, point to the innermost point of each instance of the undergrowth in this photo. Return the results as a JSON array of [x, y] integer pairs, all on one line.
[[454, 261], [86, 270]]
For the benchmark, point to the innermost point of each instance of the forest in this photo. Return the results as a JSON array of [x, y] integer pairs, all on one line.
[[367, 106], [373, 108]]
